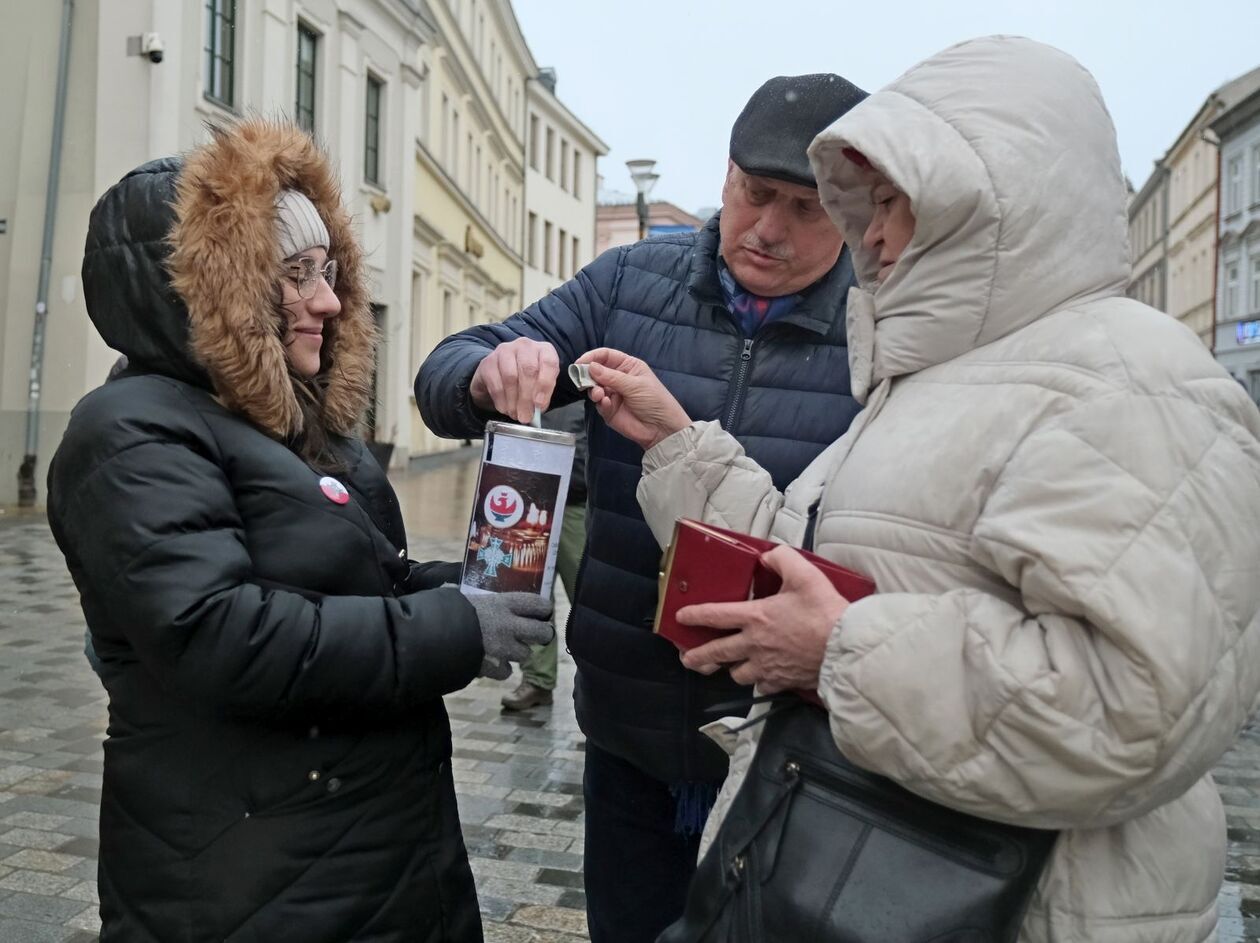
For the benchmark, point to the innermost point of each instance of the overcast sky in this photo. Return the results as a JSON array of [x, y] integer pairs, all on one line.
[[664, 79]]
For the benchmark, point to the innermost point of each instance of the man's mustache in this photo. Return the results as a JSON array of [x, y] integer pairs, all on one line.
[[775, 250]]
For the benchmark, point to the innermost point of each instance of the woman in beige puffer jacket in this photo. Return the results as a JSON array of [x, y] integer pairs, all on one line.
[[1055, 487]]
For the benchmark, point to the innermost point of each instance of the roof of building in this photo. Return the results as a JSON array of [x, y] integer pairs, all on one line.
[[1224, 97], [1233, 92], [658, 211], [1227, 96], [1240, 115], [613, 197], [542, 88]]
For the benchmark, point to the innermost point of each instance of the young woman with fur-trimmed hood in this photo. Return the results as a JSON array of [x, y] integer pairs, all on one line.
[[277, 761]]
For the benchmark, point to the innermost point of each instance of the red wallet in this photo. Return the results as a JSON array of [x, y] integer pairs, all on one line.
[[711, 564]]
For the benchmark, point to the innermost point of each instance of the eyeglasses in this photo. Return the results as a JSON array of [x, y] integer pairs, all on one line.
[[305, 275]]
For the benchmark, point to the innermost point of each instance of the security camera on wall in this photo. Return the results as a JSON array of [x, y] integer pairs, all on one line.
[[151, 46], [147, 44]]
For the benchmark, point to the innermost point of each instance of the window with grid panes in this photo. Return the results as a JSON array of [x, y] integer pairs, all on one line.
[[1233, 185], [372, 132], [220, 51], [308, 44], [1255, 284]]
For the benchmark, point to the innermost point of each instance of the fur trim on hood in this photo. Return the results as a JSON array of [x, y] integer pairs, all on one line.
[[225, 264]]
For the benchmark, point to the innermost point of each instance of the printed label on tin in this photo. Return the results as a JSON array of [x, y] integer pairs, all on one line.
[[514, 529], [510, 535]]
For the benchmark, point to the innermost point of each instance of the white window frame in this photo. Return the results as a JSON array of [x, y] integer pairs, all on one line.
[[1255, 175], [1233, 185], [1231, 289], [1255, 282]]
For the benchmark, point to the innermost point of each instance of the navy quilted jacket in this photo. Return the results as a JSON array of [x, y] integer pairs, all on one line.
[[784, 393]]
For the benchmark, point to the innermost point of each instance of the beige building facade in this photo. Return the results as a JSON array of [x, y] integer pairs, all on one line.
[[350, 72], [466, 265], [560, 188], [421, 104], [1191, 258]]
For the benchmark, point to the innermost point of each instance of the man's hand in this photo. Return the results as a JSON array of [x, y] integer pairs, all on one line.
[[630, 398], [781, 638], [516, 377]]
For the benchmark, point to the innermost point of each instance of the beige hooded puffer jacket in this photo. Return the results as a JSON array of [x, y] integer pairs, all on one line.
[[1056, 489]]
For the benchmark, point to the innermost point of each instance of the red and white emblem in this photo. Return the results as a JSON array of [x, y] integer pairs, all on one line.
[[334, 490], [503, 506]]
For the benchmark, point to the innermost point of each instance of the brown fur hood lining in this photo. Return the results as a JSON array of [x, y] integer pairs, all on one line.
[[225, 264]]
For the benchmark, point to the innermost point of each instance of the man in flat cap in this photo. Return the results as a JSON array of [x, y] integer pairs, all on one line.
[[744, 321]]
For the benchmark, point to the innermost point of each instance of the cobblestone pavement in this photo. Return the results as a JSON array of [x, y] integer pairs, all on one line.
[[518, 776]]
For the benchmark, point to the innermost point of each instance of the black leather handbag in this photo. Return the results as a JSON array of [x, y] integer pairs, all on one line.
[[816, 849]]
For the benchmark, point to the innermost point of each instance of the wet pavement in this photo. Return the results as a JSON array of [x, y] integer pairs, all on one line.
[[518, 775]]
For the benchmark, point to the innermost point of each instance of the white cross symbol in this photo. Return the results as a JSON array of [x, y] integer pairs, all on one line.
[[494, 556]]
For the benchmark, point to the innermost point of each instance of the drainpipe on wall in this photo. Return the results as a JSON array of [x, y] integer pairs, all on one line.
[[26, 473], [1208, 137]]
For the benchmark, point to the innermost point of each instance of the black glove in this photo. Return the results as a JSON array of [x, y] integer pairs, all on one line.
[[510, 623], [427, 576]]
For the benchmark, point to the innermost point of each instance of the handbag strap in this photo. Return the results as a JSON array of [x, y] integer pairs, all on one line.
[[784, 700]]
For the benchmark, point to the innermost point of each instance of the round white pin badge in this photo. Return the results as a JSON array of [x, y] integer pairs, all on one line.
[[334, 490]]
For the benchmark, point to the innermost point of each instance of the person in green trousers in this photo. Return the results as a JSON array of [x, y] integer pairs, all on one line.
[[539, 670]]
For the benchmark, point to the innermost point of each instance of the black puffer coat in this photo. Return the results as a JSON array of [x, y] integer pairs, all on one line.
[[277, 761], [783, 393]]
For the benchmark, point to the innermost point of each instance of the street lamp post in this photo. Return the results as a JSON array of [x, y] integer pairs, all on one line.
[[644, 180]]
